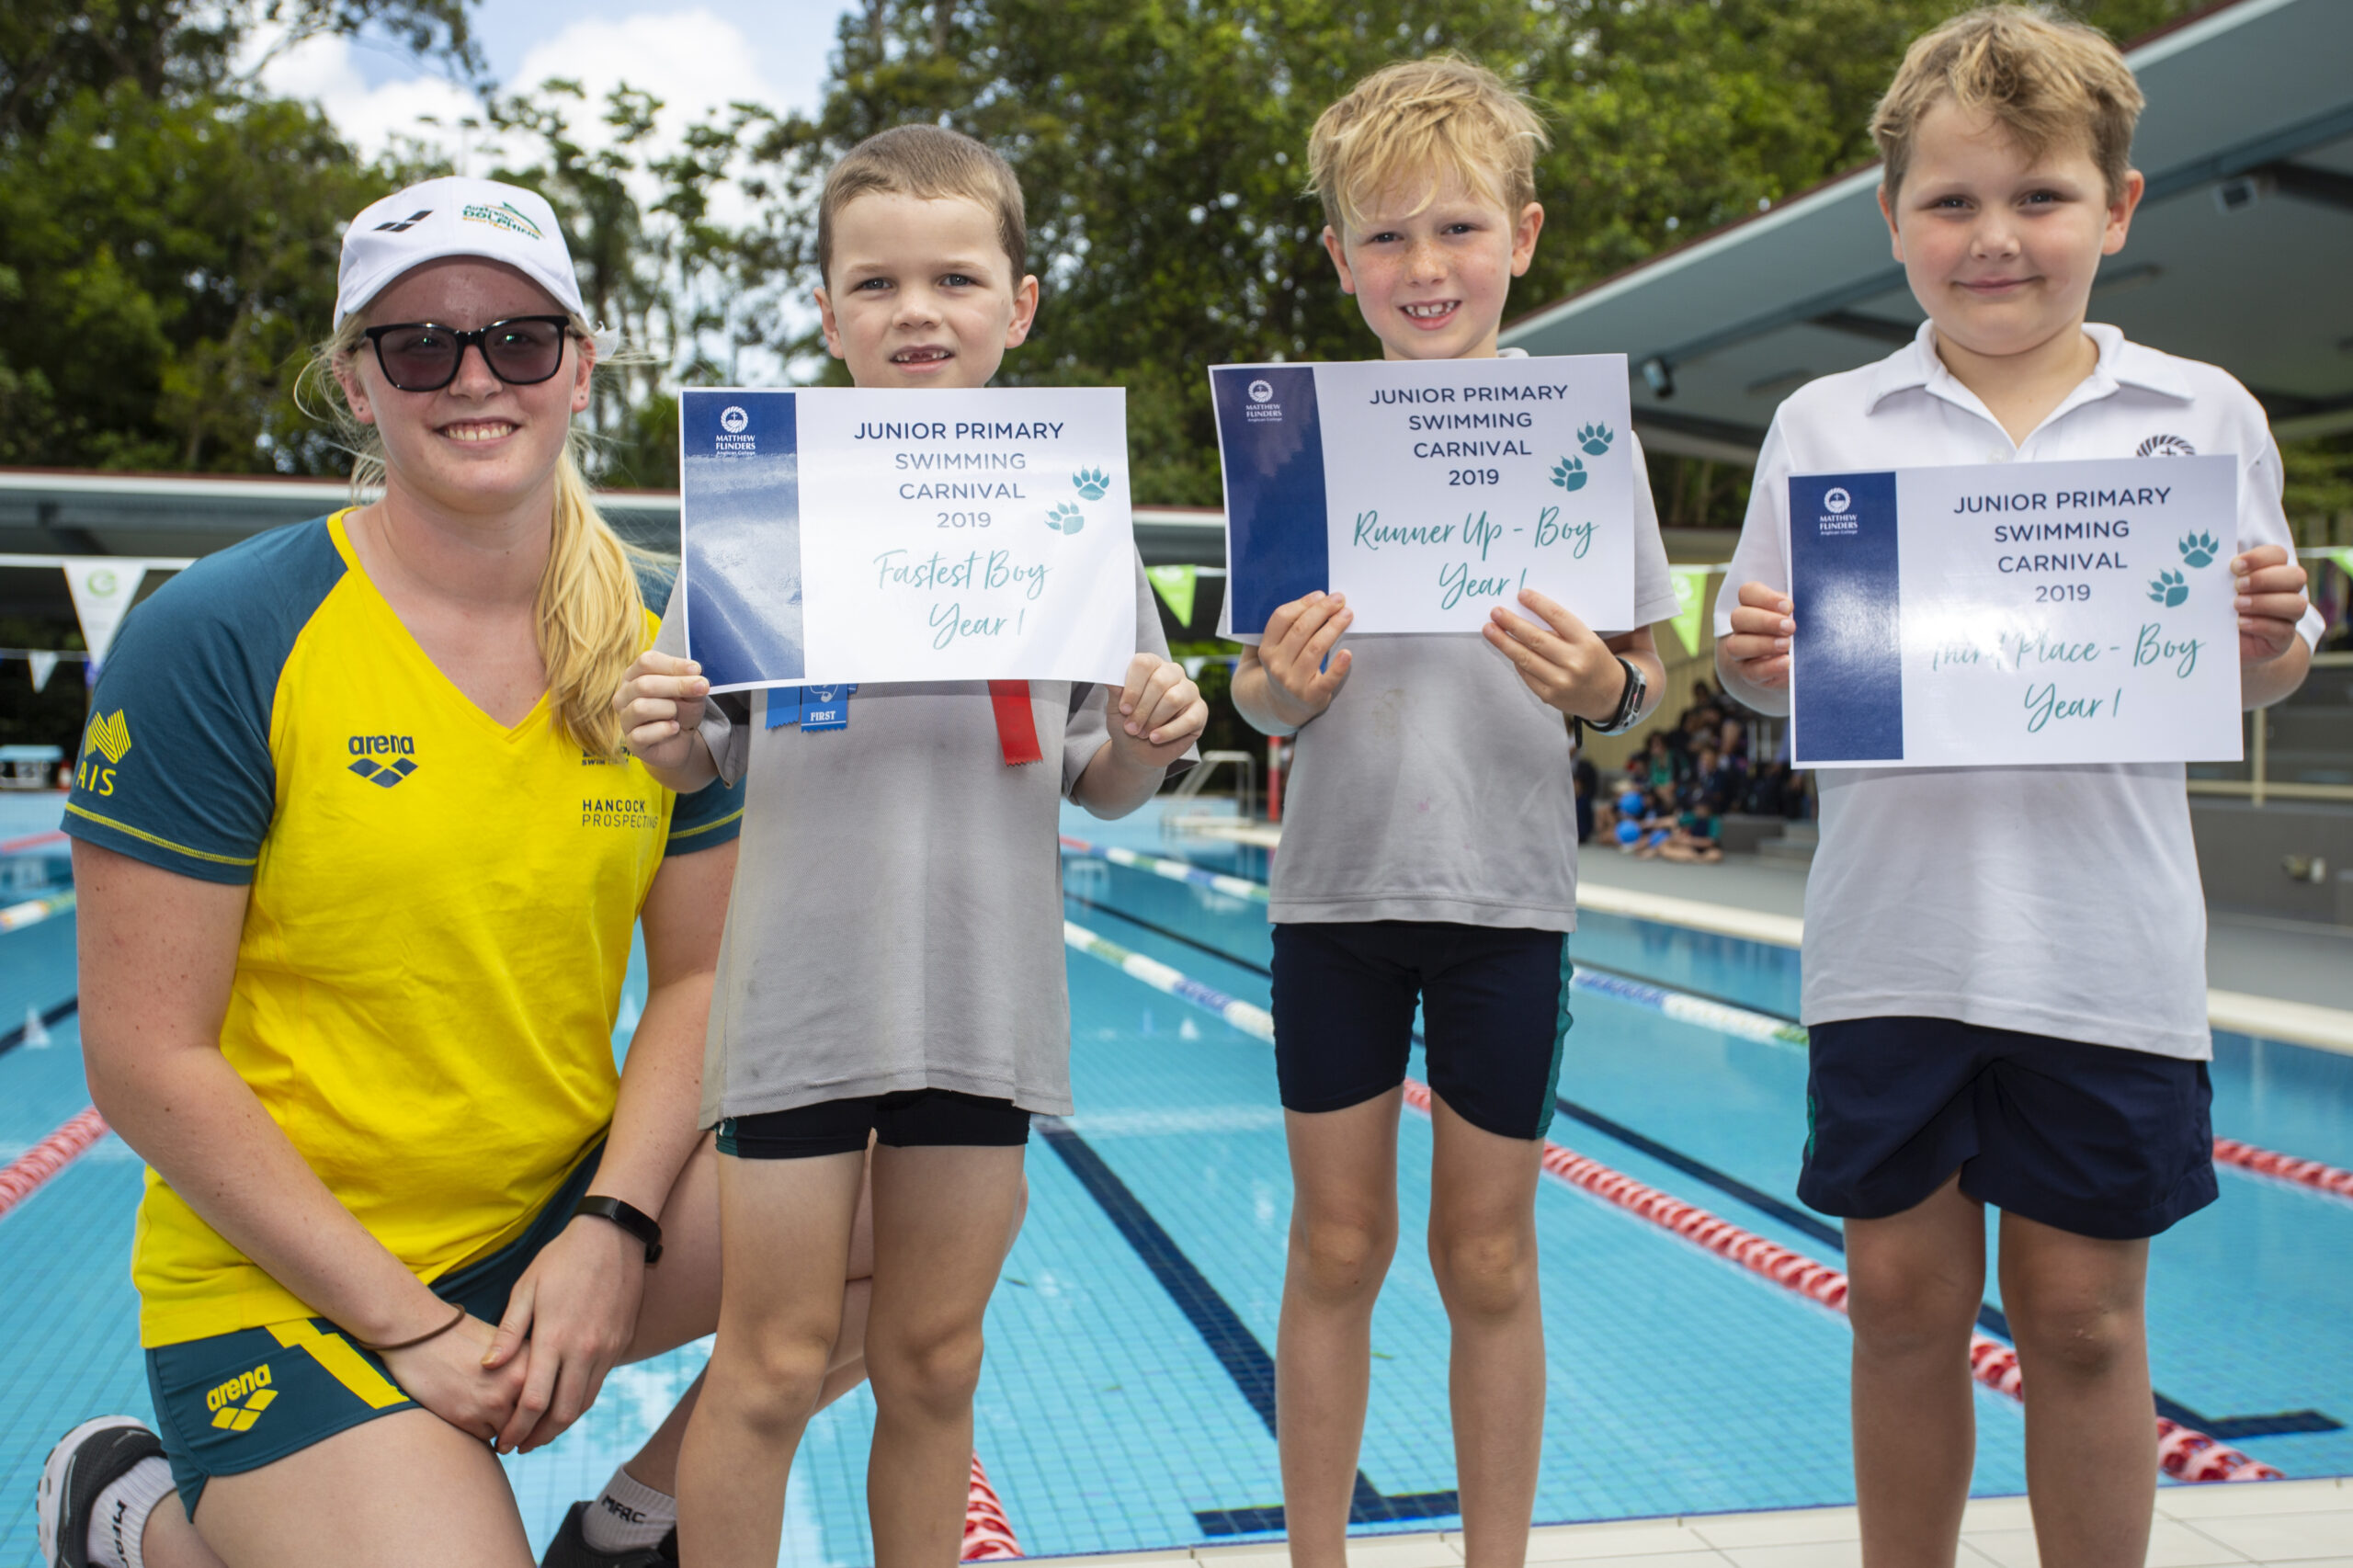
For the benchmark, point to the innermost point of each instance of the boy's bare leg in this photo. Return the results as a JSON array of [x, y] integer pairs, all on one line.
[[1914, 1281], [1343, 1234], [1483, 1248], [2075, 1305], [944, 1219], [171, 1541], [786, 1228], [682, 1305]]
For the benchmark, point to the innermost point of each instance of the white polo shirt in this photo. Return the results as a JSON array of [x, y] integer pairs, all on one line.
[[2055, 900]]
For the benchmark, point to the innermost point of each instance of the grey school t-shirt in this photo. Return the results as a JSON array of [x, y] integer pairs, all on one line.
[[897, 918], [1437, 786]]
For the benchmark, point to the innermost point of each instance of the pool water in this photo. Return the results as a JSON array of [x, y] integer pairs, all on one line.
[[1127, 1398]]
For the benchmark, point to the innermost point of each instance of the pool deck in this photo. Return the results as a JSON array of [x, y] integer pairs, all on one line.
[[2283, 1523]]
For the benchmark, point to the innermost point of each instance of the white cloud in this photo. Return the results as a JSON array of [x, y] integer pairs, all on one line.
[[371, 118], [693, 61]]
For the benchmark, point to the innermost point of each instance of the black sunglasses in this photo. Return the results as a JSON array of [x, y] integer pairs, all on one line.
[[423, 357]]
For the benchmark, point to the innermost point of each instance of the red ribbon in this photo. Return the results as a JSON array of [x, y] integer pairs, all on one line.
[[1017, 725]]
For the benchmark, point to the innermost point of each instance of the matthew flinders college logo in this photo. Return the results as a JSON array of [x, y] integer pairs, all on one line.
[[1837, 514], [1262, 409]]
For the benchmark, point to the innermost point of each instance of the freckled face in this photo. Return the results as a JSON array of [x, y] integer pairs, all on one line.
[[921, 293], [478, 443], [1432, 283], [2001, 248]]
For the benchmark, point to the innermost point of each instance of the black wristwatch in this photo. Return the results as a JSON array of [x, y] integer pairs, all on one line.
[[635, 1221], [1629, 705]]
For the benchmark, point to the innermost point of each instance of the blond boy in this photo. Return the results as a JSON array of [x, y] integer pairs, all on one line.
[[1430, 853], [868, 991], [1962, 1053]]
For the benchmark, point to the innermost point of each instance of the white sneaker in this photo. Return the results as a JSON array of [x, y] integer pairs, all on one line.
[[85, 1461]]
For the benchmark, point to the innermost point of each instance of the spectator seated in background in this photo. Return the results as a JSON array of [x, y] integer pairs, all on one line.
[[1645, 822], [1666, 767], [1693, 840]]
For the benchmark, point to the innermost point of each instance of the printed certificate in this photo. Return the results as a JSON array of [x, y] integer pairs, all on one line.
[[1998, 614], [1428, 492], [835, 536]]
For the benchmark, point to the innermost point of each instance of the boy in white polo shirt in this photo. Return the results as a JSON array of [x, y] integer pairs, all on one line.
[[2004, 967], [1429, 853]]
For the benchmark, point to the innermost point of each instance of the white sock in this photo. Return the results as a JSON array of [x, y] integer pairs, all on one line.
[[118, 1517], [626, 1515]]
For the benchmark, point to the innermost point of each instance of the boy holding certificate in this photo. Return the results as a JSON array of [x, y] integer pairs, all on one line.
[[892, 963], [1429, 853], [2004, 974]]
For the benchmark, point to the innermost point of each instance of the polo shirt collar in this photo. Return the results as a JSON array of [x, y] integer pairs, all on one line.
[[1915, 367]]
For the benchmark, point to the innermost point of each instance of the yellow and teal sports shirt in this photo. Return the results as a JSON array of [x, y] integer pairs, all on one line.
[[440, 915]]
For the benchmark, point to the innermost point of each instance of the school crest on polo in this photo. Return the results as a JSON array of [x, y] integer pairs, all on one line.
[[2164, 446]]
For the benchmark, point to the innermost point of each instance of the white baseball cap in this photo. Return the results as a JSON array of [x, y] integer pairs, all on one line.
[[454, 216]]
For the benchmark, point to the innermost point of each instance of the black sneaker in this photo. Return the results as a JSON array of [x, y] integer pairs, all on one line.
[[570, 1549], [85, 1461]]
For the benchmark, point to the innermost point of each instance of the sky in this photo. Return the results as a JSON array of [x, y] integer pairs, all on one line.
[[693, 54]]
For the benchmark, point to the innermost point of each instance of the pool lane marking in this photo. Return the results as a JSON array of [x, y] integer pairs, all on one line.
[[1237, 1350], [2184, 1451], [31, 1171], [32, 841], [1764, 1029], [14, 1036]]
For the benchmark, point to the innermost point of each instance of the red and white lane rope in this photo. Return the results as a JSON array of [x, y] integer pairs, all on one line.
[[2186, 1453], [988, 1534], [30, 1171], [2283, 1167]]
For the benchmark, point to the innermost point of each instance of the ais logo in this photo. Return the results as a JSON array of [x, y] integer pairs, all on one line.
[[238, 1403], [400, 749], [109, 736]]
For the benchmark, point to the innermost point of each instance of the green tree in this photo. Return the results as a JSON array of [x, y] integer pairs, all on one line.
[[1161, 148]]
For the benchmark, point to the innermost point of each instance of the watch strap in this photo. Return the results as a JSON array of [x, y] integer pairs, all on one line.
[[1629, 701], [630, 1218]]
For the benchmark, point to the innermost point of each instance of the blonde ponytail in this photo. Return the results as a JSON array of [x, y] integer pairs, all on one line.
[[591, 616]]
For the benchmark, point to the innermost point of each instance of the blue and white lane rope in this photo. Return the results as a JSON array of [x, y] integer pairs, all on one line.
[[1250, 1020], [1741, 1022], [1175, 870]]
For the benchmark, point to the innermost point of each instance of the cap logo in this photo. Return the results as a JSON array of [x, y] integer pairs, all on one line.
[[503, 216], [403, 225]]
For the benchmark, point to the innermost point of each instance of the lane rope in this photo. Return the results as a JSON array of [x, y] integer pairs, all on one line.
[[1175, 870], [988, 1534], [30, 1171], [33, 911], [2284, 1168], [2183, 1452]]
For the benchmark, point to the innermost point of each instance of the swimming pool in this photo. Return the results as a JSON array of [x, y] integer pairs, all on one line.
[[1127, 1398]]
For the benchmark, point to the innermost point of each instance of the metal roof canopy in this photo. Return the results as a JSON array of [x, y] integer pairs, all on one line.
[[57, 512], [2238, 255]]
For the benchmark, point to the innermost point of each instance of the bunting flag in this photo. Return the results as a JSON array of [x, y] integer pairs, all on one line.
[[1690, 605], [1177, 586], [103, 588], [44, 666]]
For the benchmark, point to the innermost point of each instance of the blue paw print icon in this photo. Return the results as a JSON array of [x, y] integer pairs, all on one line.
[[2169, 589], [1569, 475], [2199, 550], [1594, 439], [1091, 483], [1065, 520]]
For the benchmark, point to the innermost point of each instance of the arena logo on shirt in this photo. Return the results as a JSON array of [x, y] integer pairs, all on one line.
[[366, 749], [616, 811], [238, 1403]]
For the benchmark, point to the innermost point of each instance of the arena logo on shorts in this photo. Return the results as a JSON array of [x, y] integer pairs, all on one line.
[[366, 749], [238, 1403]]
